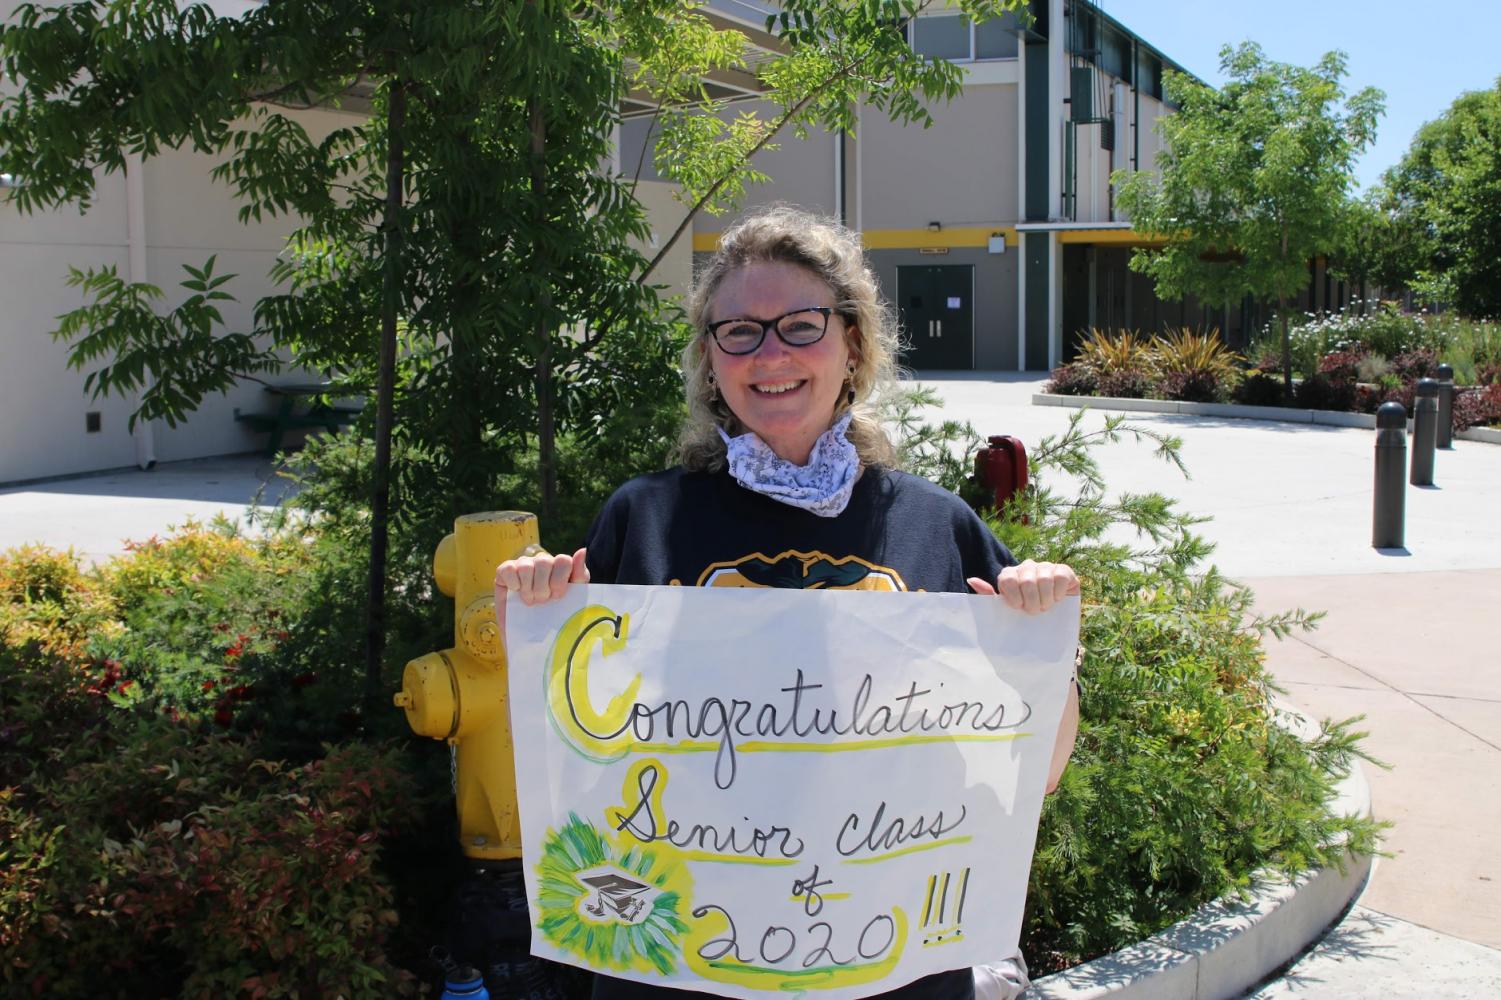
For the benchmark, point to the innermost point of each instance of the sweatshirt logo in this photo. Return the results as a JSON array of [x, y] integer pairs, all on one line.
[[797, 570]]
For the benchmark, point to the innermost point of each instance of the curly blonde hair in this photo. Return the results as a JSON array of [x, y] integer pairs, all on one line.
[[784, 233]]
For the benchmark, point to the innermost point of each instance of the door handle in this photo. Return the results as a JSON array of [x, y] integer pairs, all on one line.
[[940, 328]]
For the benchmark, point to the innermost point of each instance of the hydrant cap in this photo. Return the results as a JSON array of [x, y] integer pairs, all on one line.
[[445, 565], [429, 696]]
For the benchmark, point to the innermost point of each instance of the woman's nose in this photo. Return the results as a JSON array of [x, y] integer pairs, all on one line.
[[772, 348]]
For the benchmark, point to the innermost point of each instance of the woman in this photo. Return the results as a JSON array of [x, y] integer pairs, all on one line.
[[787, 477]]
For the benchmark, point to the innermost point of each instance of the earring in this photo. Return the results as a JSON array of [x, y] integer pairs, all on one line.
[[849, 373], [713, 388]]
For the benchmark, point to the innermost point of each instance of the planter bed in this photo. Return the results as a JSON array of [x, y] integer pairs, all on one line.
[[1241, 411]]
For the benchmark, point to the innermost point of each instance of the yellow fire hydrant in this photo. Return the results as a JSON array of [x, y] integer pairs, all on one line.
[[459, 694]]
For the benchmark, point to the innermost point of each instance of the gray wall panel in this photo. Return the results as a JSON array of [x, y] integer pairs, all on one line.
[[961, 170]]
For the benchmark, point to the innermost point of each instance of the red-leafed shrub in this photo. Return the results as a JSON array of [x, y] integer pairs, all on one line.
[[1477, 407], [1405, 394], [1126, 384], [1340, 366], [1073, 380], [1192, 387], [1319, 392], [165, 861], [1259, 388], [1413, 365]]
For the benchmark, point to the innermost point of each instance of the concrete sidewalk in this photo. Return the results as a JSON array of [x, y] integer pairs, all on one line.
[[95, 515], [1415, 653]]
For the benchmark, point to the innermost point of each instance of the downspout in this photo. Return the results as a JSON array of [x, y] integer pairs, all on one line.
[[1135, 105], [135, 228], [840, 138]]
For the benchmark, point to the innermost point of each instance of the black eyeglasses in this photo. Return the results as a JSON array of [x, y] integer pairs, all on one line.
[[798, 328]]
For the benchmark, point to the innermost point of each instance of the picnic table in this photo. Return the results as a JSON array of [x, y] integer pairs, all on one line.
[[318, 413]]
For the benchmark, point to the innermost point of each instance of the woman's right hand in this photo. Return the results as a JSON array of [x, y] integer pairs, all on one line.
[[536, 580]]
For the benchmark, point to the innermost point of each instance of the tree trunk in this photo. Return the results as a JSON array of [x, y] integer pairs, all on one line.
[[1287, 344], [1287, 349], [547, 459], [375, 619]]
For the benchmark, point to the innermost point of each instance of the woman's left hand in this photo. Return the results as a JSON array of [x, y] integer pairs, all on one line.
[[1032, 587]]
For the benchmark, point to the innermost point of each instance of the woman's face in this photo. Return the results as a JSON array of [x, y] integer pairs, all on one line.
[[785, 394]]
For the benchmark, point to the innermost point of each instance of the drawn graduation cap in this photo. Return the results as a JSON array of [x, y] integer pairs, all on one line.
[[620, 894]]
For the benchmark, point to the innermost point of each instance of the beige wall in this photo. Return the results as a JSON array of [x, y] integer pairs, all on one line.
[[960, 171], [1151, 141], [187, 217], [664, 212], [801, 172]]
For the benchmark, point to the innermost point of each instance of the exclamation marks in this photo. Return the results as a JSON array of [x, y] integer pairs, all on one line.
[[943, 907]]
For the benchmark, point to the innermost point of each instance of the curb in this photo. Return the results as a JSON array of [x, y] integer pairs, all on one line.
[[1240, 411], [1229, 945]]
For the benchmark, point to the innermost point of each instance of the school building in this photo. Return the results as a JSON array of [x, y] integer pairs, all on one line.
[[994, 231]]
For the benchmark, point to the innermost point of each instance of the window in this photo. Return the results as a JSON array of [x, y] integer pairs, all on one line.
[[996, 38], [955, 38], [945, 36]]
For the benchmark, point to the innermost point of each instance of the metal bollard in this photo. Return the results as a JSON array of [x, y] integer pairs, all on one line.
[[1390, 507], [1445, 436], [1424, 432]]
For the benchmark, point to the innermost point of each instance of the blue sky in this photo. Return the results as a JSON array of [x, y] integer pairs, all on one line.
[[1422, 55]]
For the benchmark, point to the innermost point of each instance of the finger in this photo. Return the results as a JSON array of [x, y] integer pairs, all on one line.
[[580, 567], [1064, 583], [541, 591], [506, 577], [1010, 588], [1026, 576], [980, 586], [557, 581], [526, 571]]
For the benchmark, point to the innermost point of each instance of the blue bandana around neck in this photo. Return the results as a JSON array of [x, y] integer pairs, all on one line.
[[822, 487]]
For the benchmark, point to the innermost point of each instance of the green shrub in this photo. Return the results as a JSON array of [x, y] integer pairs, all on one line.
[[1186, 350], [47, 600], [1469, 346], [1109, 354], [1182, 787]]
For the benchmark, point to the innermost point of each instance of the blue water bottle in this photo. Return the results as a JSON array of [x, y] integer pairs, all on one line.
[[464, 983]]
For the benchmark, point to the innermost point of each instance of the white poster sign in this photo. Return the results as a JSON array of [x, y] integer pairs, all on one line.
[[769, 791]]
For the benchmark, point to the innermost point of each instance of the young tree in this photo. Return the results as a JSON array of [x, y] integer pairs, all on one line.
[[462, 257], [1447, 189], [1253, 182], [1377, 246]]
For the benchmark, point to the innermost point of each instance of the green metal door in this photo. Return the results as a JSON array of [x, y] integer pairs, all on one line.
[[936, 304]]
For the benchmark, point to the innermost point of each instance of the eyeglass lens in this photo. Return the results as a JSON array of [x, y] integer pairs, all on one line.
[[798, 329]]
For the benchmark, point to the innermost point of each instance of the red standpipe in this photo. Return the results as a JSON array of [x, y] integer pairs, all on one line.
[[1002, 468]]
